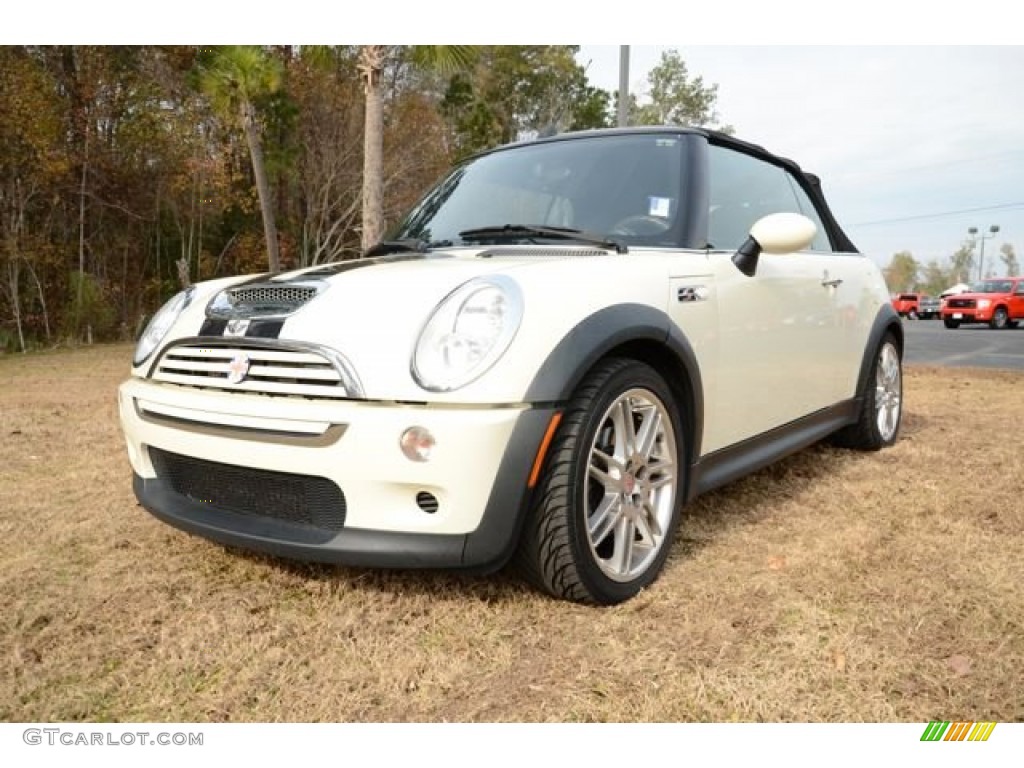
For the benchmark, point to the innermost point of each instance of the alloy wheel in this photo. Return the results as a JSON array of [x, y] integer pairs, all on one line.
[[888, 392], [630, 485]]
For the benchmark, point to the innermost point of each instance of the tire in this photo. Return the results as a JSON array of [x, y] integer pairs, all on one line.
[[949, 323], [608, 502], [882, 402], [1000, 319]]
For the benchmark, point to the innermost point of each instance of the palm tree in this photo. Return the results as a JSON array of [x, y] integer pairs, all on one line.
[[439, 58], [235, 79]]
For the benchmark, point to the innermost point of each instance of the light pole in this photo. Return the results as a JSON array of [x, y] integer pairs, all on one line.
[[973, 232], [623, 85]]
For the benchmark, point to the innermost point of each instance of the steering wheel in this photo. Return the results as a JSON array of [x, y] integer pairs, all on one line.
[[640, 225]]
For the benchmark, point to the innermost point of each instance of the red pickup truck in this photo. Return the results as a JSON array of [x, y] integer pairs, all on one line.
[[908, 304], [997, 301]]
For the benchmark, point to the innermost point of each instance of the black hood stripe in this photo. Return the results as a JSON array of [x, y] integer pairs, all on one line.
[[258, 328], [213, 327], [271, 328], [347, 266], [264, 329]]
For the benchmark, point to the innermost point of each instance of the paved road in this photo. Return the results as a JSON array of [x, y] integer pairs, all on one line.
[[929, 342]]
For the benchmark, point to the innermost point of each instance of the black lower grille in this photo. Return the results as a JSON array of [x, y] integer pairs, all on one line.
[[313, 501]]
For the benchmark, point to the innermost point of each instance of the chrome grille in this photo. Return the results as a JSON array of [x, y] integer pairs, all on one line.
[[960, 303], [267, 369]]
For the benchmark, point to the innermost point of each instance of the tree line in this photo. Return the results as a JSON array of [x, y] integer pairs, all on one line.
[[128, 171], [907, 274]]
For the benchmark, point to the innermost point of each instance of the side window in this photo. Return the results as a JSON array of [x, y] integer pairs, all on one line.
[[1020, 288], [820, 242], [742, 189]]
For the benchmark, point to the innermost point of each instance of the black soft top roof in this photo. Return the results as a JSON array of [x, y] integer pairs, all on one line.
[[811, 183]]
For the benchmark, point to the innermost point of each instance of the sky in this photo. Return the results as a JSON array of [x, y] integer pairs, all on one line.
[[914, 144], [911, 113]]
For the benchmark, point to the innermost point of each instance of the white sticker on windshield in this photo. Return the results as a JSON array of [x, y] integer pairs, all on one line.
[[659, 206]]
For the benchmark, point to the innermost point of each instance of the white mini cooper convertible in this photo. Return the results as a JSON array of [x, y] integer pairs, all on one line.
[[564, 342]]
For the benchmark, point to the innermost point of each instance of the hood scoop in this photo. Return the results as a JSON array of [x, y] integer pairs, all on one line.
[[264, 299]]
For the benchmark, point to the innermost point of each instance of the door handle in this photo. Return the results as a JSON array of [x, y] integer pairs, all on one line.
[[834, 283]]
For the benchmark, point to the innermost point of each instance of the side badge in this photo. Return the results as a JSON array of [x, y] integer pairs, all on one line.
[[690, 293]]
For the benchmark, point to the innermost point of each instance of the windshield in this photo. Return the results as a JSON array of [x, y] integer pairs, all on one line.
[[992, 286], [623, 188]]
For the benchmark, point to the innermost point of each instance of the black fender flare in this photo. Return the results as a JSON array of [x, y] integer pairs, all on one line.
[[598, 335], [886, 320]]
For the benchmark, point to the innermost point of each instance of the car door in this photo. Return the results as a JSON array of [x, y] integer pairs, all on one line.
[[784, 344], [1017, 301]]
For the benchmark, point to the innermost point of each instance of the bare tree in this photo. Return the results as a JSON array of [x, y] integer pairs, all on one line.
[[1009, 258]]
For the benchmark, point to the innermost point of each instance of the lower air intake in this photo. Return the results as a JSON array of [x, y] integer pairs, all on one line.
[[302, 499]]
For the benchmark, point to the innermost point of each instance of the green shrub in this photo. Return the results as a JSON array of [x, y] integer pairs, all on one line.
[[94, 318]]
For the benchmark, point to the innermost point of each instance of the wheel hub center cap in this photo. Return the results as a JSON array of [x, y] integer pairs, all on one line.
[[628, 482]]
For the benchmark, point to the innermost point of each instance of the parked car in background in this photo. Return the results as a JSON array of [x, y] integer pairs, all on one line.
[[908, 304], [996, 301], [955, 289], [929, 308], [564, 342]]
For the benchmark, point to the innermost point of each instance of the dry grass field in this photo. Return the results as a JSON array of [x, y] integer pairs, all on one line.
[[834, 586]]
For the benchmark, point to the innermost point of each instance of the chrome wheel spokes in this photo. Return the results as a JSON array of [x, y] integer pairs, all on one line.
[[630, 484], [888, 392]]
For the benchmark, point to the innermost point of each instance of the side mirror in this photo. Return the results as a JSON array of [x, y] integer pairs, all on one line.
[[776, 233]]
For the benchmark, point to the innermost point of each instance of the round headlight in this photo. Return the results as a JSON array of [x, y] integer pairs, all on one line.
[[467, 333], [161, 324], [984, 304]]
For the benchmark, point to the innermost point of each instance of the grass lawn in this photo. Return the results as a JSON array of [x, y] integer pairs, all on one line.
[[834, 586]]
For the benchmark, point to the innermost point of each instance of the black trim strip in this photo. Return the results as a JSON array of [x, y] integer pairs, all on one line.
[[264, 329], [213, 327], [258, 328], [694, 215], [728, 464], [494, 541]]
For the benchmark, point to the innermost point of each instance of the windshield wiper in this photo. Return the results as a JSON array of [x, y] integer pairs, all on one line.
[[405, 245], [521, 231]]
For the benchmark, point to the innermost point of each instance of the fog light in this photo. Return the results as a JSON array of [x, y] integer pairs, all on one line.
[[427, 502], [417, 443]]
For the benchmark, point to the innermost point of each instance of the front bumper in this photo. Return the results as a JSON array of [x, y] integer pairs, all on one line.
[[477, 473], [968, 314]]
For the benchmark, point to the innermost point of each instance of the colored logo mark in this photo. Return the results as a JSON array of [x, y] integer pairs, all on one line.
[[937, 730], [238, 368]]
